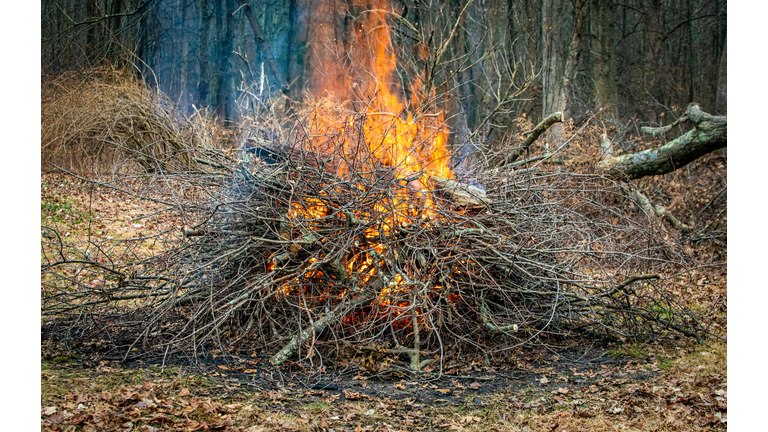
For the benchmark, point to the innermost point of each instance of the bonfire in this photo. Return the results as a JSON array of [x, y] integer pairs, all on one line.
[[354, 229]]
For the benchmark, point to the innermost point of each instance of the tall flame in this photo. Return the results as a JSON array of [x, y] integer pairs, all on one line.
[[413, 149]]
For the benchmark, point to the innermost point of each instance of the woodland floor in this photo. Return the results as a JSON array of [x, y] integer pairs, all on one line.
[[585, 385]]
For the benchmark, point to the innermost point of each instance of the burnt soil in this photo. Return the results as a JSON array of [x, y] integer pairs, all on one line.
[[588, 366]]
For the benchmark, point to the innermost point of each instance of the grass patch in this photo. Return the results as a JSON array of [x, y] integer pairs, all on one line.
[[62, 210], [317, 407]]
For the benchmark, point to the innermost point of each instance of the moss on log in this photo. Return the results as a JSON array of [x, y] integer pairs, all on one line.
[[709, 134]]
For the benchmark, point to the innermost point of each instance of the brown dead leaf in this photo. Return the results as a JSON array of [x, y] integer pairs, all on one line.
[[194, 425], [444, 391], [249, 371], [355, 395], [49, 411], [184, 392], [544, 380], [475, 385], [399, 386]]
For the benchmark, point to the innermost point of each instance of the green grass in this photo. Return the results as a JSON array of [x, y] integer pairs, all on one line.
[[59, 209], [317, 407], [664, 363]]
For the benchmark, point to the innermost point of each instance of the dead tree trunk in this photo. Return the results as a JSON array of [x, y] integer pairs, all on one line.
[[709, 134], [261, 41]]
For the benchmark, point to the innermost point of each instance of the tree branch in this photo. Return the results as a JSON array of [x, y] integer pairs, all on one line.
[[318, 326], [533, 135], [709, 134]]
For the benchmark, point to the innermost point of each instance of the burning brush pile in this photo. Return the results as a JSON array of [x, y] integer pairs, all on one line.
[[343, 238], [330, 243], [354, 231]]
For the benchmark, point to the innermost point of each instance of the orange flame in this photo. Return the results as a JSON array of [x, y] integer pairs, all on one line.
[[413, 148]]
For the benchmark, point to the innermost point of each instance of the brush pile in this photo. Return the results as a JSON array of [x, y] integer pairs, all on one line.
[[309, 245], [109, 117]]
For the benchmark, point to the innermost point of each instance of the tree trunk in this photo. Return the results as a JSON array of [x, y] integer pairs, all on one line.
[[572, 61], [551, 65], [721, 106], [709, 134], [653, 42], [184, 99], [261, 42], [203, 87], [606, 93], [557, 80], [225, 87], [297, 37]]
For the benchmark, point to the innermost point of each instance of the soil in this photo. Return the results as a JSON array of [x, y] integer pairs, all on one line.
[[533, 372]]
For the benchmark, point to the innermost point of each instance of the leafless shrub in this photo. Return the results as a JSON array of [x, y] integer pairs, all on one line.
[[109, 118]]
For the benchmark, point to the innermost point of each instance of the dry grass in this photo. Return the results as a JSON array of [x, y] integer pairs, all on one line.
[[688, 393]]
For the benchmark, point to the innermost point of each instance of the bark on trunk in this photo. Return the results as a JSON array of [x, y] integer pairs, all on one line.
[[721, 106], [297, 37], [203, 87], [567, 90], [606, 93], [225, 89], [709, 134], [552, 72], [557, 82], [184, 87]]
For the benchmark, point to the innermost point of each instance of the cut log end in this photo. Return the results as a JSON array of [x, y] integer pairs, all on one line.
[[462, 194]]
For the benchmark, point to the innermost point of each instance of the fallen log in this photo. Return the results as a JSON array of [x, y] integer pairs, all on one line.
[[709, 134]]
